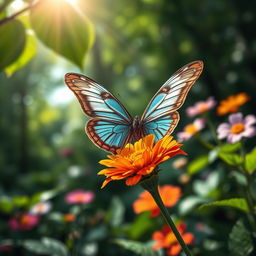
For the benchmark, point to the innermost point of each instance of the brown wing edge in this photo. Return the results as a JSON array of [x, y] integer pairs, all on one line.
[[68, 80]]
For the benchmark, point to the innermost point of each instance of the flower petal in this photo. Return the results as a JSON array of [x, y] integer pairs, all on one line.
[[250, 119], [236, 118], [223, 130], [133, 180], [249, 132]]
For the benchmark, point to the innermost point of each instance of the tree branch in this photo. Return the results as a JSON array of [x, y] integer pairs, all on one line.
[[4, 20]]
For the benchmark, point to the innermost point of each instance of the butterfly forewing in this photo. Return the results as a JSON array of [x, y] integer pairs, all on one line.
[[160, 117], [95, 100], [173, 92], [110, 127]]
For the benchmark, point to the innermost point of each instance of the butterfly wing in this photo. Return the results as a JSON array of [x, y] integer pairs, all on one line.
[[110, 126], [160, 116]]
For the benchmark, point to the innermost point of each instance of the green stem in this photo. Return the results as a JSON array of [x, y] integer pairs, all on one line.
[[212, 128], [151, 185], [203, 142], [248, 196]]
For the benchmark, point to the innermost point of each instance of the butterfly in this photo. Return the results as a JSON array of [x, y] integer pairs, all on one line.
[[111, 127]]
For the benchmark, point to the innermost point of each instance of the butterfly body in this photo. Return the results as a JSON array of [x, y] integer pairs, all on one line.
[[111, 127]]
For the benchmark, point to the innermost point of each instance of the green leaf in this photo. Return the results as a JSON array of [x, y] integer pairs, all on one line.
[[63, 29], [45, 195], [20, 201], [250, 161], [47, 245], [6, 204], [12, 42], [142, 223], [240, 240], [230, 158], [189, 203], [116, 212], [137, 247], [198, 164], [230, 148], [28, 53], [238, 203]]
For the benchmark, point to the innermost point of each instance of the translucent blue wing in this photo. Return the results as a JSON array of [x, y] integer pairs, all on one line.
[[162, 125], [173, 92], [160, 117], [108, 135], [95, 100], [110, 125]]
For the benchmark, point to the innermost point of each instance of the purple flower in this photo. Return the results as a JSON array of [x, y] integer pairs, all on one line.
[[237, 128], [201, 107]]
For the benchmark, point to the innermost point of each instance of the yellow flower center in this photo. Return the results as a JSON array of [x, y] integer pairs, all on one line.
[[237, 128], [170, 238], [80, 197], [191, 129], [24, 220]]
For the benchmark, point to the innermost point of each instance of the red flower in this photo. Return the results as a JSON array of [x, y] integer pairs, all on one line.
[[24, 221], [166, 239], [169, 194]]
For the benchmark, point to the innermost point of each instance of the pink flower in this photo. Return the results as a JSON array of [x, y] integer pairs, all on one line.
[[67, 152], [79, 197], [41, 208], [191, 129], [201, 107], [237, 128], [25, 221], [179, 163]]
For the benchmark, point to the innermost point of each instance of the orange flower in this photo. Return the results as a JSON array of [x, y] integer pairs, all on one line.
[[166, 239], [69, 217], [134, 162], [232, 103], [169, 194]]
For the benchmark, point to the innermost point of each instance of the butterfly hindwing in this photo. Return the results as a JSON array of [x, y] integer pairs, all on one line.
[[108, 135], [173, 92], [110, 125], [162, 125]]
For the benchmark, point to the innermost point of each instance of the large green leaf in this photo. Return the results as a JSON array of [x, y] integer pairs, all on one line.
[[198, 164], [238, 203], [240, 240], [63, 28], [47, 246], [12, 42], [250, 161], [29, 50], [137, 247]]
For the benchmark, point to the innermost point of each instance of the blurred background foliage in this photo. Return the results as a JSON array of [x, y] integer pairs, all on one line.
[[132, 48]]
